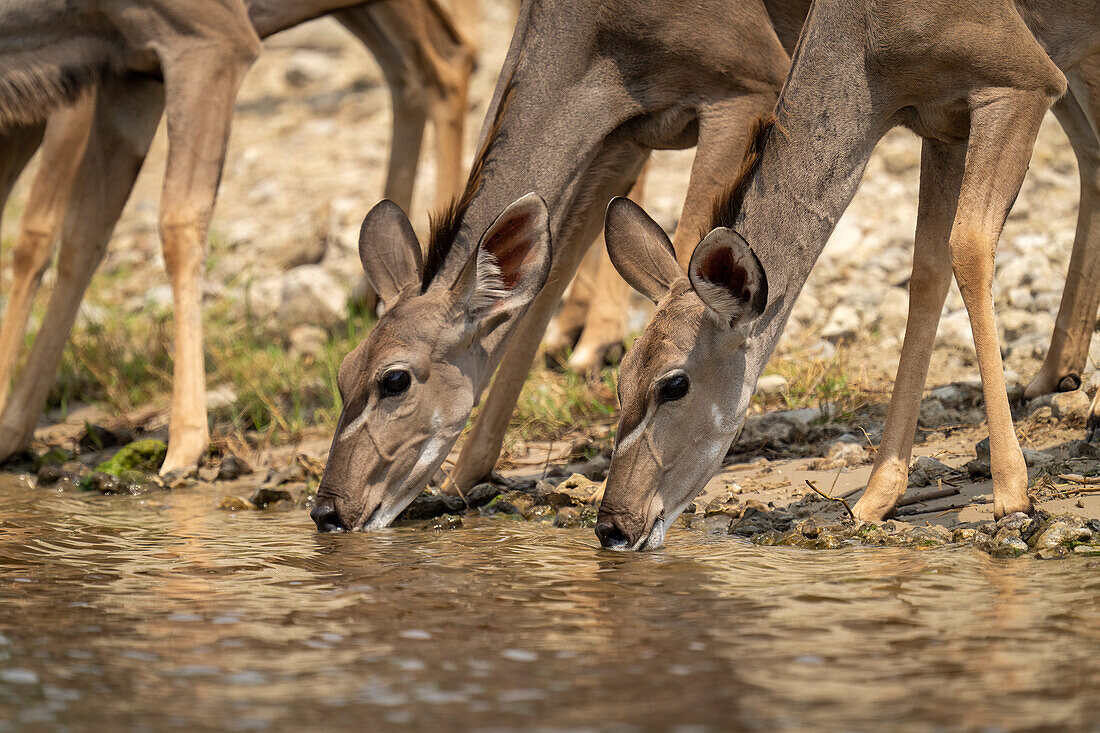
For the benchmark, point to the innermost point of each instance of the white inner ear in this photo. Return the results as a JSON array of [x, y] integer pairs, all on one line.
[[720, 300], [490, 282]]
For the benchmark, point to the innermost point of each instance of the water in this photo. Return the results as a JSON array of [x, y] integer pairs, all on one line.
[[159, 612]]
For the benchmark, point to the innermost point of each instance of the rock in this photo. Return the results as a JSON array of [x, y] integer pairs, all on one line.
[[968, 536], [848, 452], [307, 341], [1087, 550], [482, 494], [141, 455], [1037, 458], [1060, 531], [265, 497], [98, 437], [809, 529], [312, 296], [235, 504], [1083, 449], [844, 324], [571, 517], [771, 385], [577, 490], [138, 482], [1071, 408], [893, 312], [431, 504], [1015, 522], [49, 475], [221, 397], [443, 523], [926, 470], [777, 429], [755, 520], [104, 483], [305, 67], [232, 467], [980, 467], [954, 330], [264, 297], [1005, 545], [933, 536], [540, 513], [510, 502], [729, 505]]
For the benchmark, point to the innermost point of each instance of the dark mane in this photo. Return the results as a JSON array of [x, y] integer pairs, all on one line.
[[446, 223], [728, 205]]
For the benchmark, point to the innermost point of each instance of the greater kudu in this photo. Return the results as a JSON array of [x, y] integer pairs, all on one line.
[[974, 80], [587, 89], [92, 153]]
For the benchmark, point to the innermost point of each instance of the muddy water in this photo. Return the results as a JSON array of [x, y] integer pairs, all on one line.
[[157, 612]]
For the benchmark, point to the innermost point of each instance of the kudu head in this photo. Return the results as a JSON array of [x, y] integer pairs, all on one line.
[[680, 374], [409, 387]]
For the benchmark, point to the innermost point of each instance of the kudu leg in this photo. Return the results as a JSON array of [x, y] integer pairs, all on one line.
[[484, 441], [565, 328], [122, 127], [1002, 135], [941, 176], [1069, 345], [427, 65], [720, 148], [200, 89], [62, 150], [605, 319]]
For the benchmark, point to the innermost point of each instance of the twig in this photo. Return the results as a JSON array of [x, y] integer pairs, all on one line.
[[870, 445], [831, 498], [910, 511], [1077, 478], [940, 493]]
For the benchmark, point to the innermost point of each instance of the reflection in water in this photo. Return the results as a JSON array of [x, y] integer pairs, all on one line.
[[157, 611]]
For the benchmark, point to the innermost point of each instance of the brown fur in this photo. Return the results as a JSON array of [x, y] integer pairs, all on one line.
[[727, 206], [33, 85], [445, 224]]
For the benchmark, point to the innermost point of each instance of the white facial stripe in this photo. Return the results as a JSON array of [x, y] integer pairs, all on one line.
[[637, 432], [355, 426], [428, 455]]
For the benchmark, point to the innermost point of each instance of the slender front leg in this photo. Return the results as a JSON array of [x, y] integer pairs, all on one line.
[[605, 320], [942, 167], [1078, 112], [62, 150], [1002, 134], [483, 443], [125, 119], [200, 84], [565, 328]]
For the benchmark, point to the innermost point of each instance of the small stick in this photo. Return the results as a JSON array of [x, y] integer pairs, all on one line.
[[910, 511], [1077, 478], [930, 496], [831, 498], [868, 438]]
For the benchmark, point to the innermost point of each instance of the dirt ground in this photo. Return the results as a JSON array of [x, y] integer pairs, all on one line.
[[306, 161]]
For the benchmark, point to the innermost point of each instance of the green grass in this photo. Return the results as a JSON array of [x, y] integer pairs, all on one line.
[[126, 362]]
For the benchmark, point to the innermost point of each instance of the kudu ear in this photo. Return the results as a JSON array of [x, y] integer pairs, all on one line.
[[512, 261], [727, 276], [389, 251], [640, 249]]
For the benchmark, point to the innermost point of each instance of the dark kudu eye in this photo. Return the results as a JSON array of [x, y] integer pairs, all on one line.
[[394, 382], [672, 388]]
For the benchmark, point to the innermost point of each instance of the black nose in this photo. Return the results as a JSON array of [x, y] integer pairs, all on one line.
[[609, 533], [327, 520]]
